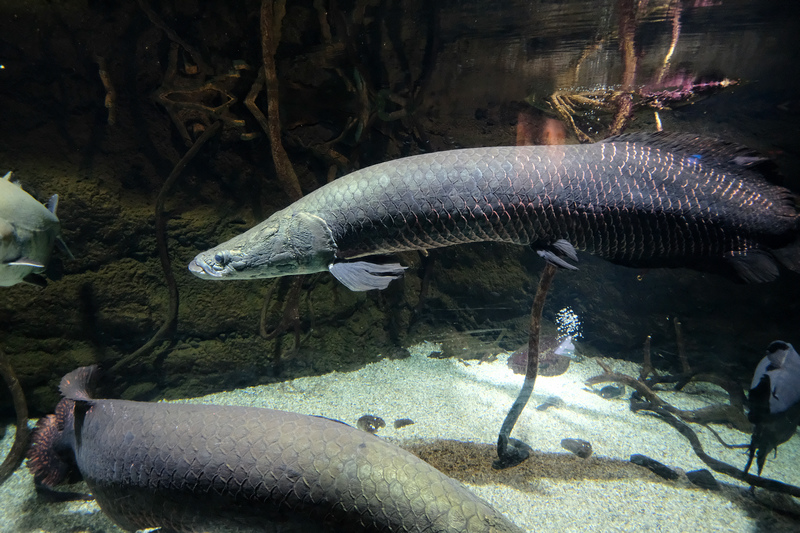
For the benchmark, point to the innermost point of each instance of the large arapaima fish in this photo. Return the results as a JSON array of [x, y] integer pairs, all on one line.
[[641, 200]]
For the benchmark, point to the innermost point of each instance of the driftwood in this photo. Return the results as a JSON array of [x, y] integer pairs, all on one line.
[[22, 436], [732, 413], [161, 237], [272, 12], [510, 451], [677, 418], [720, 466]]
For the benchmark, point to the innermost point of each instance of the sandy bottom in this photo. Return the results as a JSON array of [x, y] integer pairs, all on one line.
[[449, 399]]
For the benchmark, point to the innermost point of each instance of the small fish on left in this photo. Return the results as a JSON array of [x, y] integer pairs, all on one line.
[[28, 231]]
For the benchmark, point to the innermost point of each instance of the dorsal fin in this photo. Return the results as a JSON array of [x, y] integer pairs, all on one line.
[[52, 204], [724, 155], [8, 177], [76, 384]]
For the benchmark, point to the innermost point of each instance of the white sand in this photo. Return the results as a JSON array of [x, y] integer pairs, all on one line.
[[450, 399]]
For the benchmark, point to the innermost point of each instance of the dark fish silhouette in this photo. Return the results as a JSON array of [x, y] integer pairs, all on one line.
[[774, 401], [211, 468], [654, 200]]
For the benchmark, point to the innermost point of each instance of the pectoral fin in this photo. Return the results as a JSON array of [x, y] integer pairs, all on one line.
[[365, 276], [24, 261], [552, 254], [63, 247]]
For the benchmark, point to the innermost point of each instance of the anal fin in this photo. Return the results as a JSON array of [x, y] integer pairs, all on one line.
[[754, 266]]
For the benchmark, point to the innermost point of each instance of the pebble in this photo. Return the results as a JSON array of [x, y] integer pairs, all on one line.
[[612, 391], [703, 479], [551, 401], [654, 466], [370, 423], [579, 447]]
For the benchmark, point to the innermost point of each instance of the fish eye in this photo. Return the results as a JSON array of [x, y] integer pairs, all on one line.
[[221, 258]]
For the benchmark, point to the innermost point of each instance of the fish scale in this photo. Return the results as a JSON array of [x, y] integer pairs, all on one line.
[[544, 219], [644, 201], [191, 468]]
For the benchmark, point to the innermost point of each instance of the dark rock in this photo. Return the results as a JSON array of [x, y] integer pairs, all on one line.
[[610, 392], [579, 447], [703, 479], [402, 422], [654, 466], [370, 423], [550, 401]]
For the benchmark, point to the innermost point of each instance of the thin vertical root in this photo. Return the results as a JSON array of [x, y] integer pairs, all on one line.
[[510, 451], [22, 436], [272, 12], [163, 251], [685, 368], [647, 365]]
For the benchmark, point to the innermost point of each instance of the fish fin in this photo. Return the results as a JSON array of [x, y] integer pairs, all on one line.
[[64, 248], [25, 262], [789, 256], [47, 494], [552, 254], [754, 266], [564, 247], [723, 155], [47, 461], [365, 276], [35, 279], [331, 419], [47, 467], [76, 384], [553, 259], [52, 203], [10, 178]]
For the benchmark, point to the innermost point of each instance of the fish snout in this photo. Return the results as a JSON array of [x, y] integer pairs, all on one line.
[[200, 268]]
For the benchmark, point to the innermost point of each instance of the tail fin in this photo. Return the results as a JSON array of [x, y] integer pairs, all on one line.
[[46, 461]]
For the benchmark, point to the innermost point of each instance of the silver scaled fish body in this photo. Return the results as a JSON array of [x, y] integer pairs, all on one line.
[[641, 200], [190, 468], [28, 231]]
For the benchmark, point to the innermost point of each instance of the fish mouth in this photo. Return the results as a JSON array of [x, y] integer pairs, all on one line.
[[201, 269]]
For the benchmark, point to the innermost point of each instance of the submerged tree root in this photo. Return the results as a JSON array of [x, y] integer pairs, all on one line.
[[163, 252], [732, 413], [289, 308], [677, 418], [511, 452], [720, 466], [272, 12], [17, 452]]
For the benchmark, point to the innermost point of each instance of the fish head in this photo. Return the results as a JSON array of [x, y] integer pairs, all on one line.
[[778, 352], [285, 244]]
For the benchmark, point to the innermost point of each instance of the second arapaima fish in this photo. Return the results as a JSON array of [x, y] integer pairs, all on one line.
[[640, 200]]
